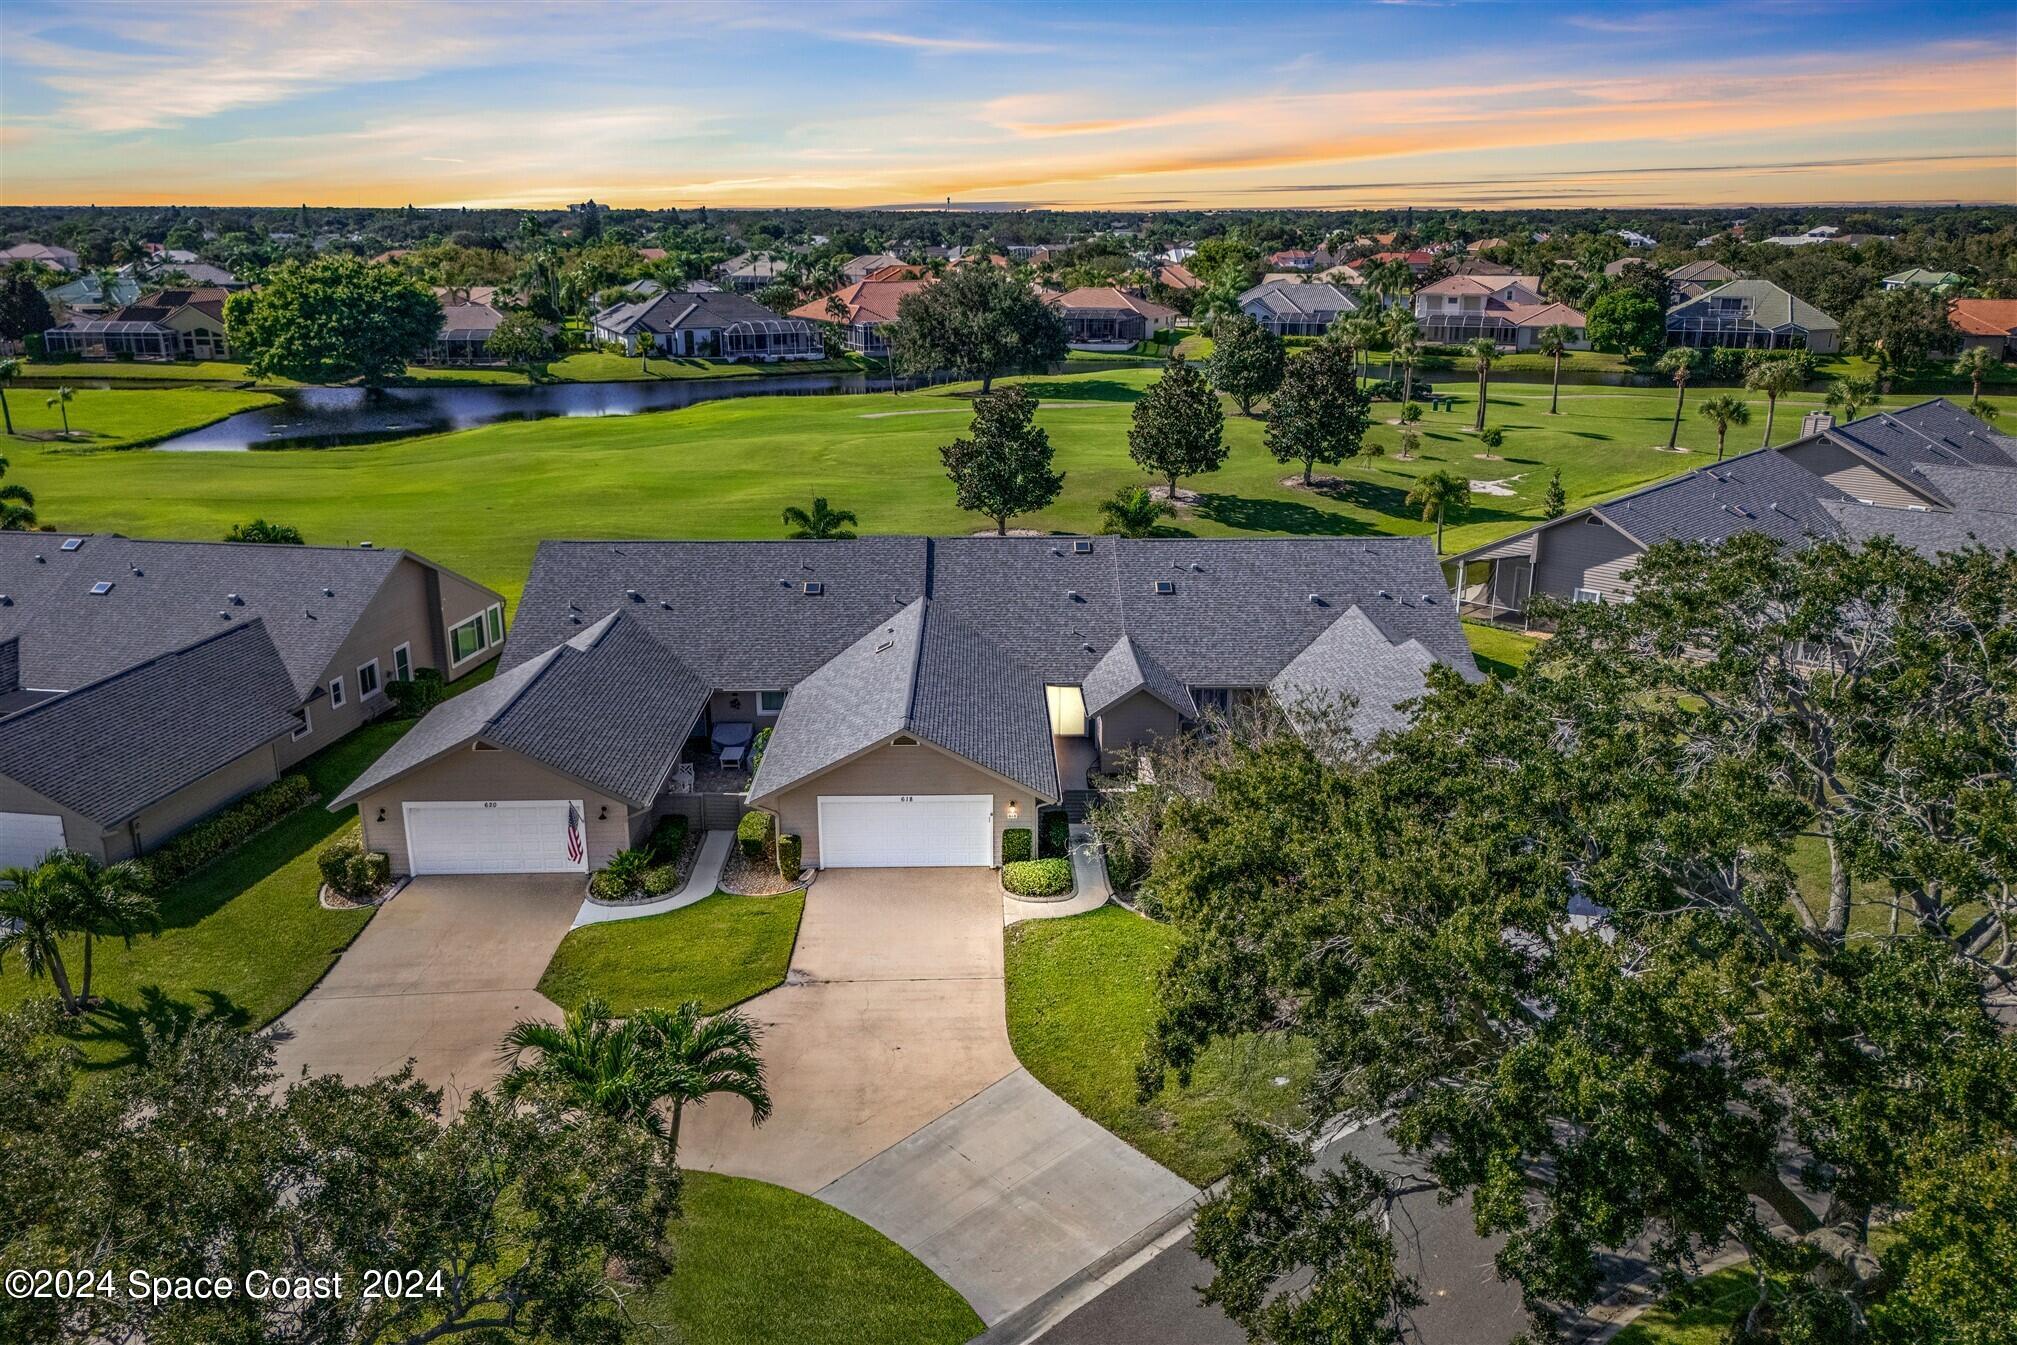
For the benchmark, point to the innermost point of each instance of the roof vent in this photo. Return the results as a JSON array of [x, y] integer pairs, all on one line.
[[102, 587], [136, 570], [665, 604], [41, 559], [633, 595], [1082, 548], [1429, 598], [328, 592], [234, 600], [1165, 586], [1074, 595], [224, 616], [814, 587], [1197, 568], [72, 543], [1316, 600], [1388, 596], [364, 546], [903, 740], [6, 601]]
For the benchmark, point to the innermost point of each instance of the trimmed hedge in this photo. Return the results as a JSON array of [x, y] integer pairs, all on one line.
[[416, 695], [1037, 877], [1054, 837], [667, 839], [790, 856], [1015, 844], [753, 835], [351, 871], [223, 832], [757, 746]]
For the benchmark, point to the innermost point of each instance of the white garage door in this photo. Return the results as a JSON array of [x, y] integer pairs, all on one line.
[[902, 831], [26, 837], [510, 836]]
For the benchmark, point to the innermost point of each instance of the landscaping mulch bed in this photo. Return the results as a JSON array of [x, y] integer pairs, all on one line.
[[331, 901], [754, 877], [682, 868]]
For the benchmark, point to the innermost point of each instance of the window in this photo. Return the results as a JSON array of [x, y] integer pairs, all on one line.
[[402, 663], [336, 693], [1068, 711], [769, 702], [1588, 595], [367, 678], [496, 623], [468, 640], [307, 726]]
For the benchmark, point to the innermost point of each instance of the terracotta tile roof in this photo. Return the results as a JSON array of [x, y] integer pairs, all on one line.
[[1095, 298], [1983, 317], [866, 300], [1178, 277]]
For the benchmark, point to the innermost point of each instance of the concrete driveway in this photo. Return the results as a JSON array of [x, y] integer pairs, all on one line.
[[897, 1098], [439, 975]]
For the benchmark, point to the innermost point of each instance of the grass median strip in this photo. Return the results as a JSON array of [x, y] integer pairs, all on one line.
[[720, 951]]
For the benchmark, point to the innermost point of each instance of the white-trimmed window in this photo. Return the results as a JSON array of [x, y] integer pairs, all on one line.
[[1588, 595], [468, 640], [367, 678], [769, 702], [495, 618], [307, 726], [336, 693], [402, 663]]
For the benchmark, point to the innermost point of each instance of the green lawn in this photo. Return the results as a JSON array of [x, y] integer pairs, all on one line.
[[726, 469], [758, 1264], [1081, 999], [595, 366], [1497, 650], [1701, 1315], [103, 418], [719, 951], [82, 372], [242, 939]]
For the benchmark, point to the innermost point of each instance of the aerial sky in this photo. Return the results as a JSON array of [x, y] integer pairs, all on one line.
[[1112, 104]]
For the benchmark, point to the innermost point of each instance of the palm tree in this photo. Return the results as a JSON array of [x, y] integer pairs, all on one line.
[[1132, 512], [1774, 378], [696, 1056], [1435, 494], [34, 915], [1723, 412], [1851, 395], [596, 1063], [1407, 349], [1970, 364], [9, 369], [112, 899], [1679, 365], [1482, 352], [1554, 341], [1358, 333], [61, 401], [820, 524], [1397, 326], [1985, 412], [17, 505]]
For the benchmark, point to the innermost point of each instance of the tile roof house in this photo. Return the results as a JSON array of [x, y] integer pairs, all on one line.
[[1177, 276], [1747, 313], [718, 324], [185, 324], [1297, 307], [1921, 277], [1293, 259], [1987, 323], [923, 695], [42, 254], [1102, 317], [754, 270], [865, 309], [1924, 473], [144, 684], [861, 268], [1507, 310]]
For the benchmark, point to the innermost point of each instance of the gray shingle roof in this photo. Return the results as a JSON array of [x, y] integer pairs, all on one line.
[[1760, 491], [1124, 670], [682, 310], [111, 747], [925, 673], [165, 595], [1985, 513], [1297, 298], [1770, 306], [611, 707], [1353, 658], [1933, 433]]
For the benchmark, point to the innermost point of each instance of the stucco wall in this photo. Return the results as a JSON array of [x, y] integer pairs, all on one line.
[[469, 776], [1583, 554], [79, 832], [155, 823], [922, 769]]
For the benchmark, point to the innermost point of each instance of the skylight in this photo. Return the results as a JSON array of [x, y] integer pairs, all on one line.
[[72, 543], [102, 587], [814, 587]]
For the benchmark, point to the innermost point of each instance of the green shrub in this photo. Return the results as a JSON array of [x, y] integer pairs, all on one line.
[[1054, 835], [416, 695], [1411, 413], [1494, 437], [790, 856], [351, 871], [1037, 877], [226, 831], [756, 748], [1382, 389], [1123, 869], [753, 835], [1015, 844], [667, 839], [605, 888], [661, 880]]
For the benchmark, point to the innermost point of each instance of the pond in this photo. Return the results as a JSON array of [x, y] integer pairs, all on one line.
[[327, 417]]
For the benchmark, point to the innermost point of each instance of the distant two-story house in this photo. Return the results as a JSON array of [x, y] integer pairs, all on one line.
[[717, 324], [1506, 310], [753, 271], [145, 684], [186, 324], [1752, 313], [1297, 307]]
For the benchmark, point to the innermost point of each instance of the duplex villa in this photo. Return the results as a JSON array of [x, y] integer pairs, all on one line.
[[145, 684], [1506, 310], [922, 695], [863, 311], [1747, 313], [1297, 307], [180, 324], [1932, 475], [719, 324], [1102, 317]]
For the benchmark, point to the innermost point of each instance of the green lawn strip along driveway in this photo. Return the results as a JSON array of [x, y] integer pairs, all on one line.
[[756, 1264], [102, 418], [241, 939], [480, 500], [720, 951], [1082, 995]]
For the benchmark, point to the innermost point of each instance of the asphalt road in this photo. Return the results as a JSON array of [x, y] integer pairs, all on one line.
[[1158, 1304]]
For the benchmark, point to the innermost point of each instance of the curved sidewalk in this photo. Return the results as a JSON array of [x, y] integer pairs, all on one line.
[[1089, 886], [702, 882]]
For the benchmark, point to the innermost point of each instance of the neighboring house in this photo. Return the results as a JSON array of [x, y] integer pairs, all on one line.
[[1985, 513], [1506, 310], [191, 273], [1624, 264], [42, 254], [653, 254], [145, 684], [1101, 317], [1418, 261], [468, 317], [923, 694], [185, 324], [1484, 245], [1297, 307], [1293, 259], [1481, 266], [1921, 277], [1826, 233], [1927, 459], [754, 270], [717, 324], [863, 312], [861, 268], [1178, 255], [1986, 323], [89, 296], [1177, 276], [1746, 313], [1707, 274], [1633, 238]]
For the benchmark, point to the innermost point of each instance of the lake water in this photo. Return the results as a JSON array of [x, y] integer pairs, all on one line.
[[326, 417]]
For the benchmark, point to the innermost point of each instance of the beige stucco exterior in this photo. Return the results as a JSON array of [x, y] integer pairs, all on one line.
[[158, 821], [896, 769]]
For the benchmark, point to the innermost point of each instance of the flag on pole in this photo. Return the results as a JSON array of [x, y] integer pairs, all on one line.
[[575, 849]]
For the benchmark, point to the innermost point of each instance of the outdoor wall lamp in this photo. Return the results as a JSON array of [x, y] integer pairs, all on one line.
[[381, 814], [603, 816], [735, 702], [1015, 810]]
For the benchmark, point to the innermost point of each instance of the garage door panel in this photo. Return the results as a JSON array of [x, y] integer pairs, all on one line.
[[25, 838], [504, 836], [906, 831]]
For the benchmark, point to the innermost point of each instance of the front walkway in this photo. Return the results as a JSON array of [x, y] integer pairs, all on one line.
[[897, 1097], [702, 882]]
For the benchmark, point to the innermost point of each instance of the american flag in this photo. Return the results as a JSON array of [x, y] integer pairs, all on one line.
[[574, 848]]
